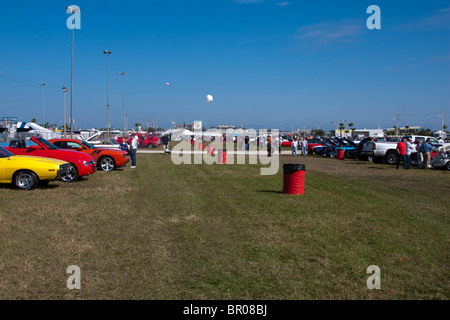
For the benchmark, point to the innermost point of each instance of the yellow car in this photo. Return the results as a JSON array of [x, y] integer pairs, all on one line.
[[26, 172]]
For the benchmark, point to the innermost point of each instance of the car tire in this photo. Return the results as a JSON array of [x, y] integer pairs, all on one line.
[[106, 164], [391, 158], [25, 180], [72, 175], [447, 166]]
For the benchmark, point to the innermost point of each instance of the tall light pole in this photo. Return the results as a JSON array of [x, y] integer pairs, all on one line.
[[396, 126], [65, 91], [43, 113], [72, 23], [123, 87], [442, 122], [107, 52]]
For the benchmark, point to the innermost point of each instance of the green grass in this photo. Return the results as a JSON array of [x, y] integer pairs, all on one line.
[[163, 231]]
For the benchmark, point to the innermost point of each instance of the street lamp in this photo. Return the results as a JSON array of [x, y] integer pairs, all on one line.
[[43, 113], [65, 91], [72, 10], [123, 87], [107, 52]]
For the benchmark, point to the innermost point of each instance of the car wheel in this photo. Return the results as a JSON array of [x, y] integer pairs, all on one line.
[[391, 158], [106, 164], [72, 175], [151, 145], [447, 166], [25, 180]]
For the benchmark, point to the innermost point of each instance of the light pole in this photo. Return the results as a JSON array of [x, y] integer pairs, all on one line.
[[123, 87], [43, 113], [396, 125], [65, 91], [72, 10], [107, 52]]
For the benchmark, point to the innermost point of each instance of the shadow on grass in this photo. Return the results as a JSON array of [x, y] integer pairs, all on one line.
[[270, 191]]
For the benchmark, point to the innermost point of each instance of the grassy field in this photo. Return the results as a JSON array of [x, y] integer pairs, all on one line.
[[165, 231]]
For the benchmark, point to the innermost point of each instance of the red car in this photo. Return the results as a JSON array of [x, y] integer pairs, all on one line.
[[80, 164], [145, 141], [106, 159]]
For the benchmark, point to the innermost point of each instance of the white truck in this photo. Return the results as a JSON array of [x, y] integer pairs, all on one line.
[[386, 151]]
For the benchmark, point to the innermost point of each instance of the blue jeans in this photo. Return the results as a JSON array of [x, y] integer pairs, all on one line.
[[133, 157], [303, 151], [407, 163], [294, 151]]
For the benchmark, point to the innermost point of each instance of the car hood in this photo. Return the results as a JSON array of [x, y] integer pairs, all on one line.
[[41, 159], [73, 154]]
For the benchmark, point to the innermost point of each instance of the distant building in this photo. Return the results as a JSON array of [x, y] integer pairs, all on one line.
[[362, 133]]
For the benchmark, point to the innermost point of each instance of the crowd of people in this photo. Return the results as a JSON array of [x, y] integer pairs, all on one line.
[[404, 149]]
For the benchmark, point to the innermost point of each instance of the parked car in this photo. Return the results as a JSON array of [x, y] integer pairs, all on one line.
[[106, 159], [26, 172], [386, 151], [80, 164], [442, 159]]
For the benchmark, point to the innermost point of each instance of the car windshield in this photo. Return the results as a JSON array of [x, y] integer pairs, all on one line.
[[5, 153], [88, 145], [49, 145]]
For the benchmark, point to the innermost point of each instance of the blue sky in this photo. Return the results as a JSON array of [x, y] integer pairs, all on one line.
[[268, 63]]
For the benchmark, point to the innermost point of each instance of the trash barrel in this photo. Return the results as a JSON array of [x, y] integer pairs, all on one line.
[[201, 146], [222, 156], [210, 150], [340, 154], [294, 178]]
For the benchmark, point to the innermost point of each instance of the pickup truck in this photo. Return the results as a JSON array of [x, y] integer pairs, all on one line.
[[386, 151]]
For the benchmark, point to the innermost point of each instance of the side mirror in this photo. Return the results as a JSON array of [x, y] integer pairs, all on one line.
[[79, 149]]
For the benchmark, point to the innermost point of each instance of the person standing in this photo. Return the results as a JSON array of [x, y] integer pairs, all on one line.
[[269, 146], [133, 150], [165, 141], [247, 143], [401, 153], [419, 154], [304, 145], [426, 149], [294, 147], [409, 148]]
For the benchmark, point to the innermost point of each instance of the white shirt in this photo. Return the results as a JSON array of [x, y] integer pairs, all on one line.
[[134, 144], [409, 147]]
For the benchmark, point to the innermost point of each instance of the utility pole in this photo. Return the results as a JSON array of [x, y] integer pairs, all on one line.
[[396, 126]]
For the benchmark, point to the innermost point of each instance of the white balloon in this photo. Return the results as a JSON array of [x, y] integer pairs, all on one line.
[[209, 98]]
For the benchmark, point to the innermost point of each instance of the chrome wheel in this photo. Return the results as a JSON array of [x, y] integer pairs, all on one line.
[[107, 164], [71, 175], [25, 180]]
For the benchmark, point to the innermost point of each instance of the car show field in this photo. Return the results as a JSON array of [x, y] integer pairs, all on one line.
[[166, 231]]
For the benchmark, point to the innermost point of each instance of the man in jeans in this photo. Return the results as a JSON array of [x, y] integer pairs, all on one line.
[[401, 153], [409, 148], [426, 149], [133, 150]]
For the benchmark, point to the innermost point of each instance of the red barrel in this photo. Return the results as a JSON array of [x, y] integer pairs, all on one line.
[[201, 146], [222, 156], [294, 178], [340, 154], [210, 149]]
